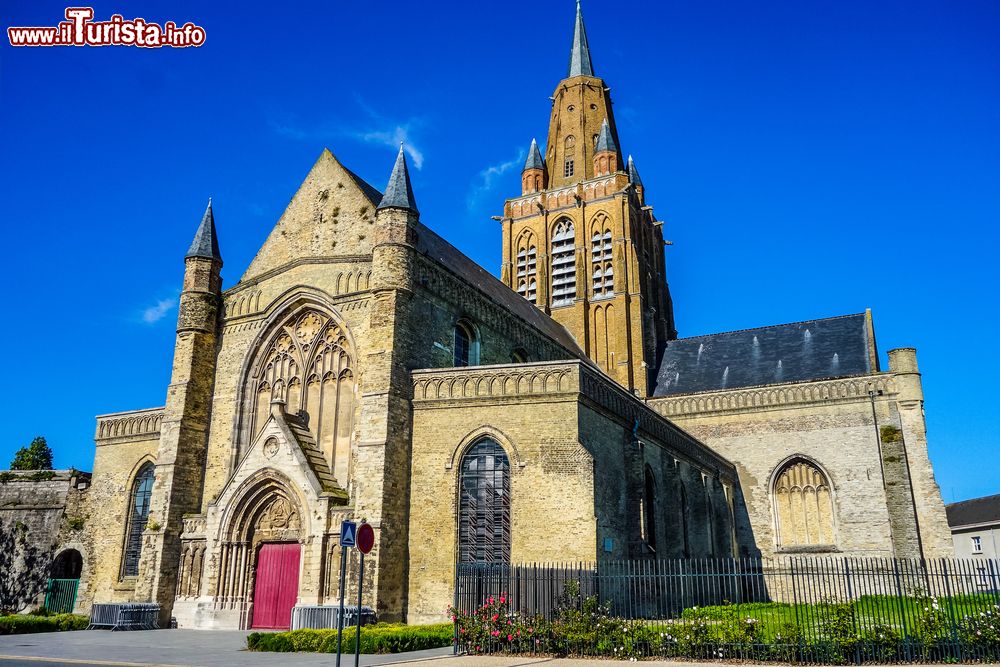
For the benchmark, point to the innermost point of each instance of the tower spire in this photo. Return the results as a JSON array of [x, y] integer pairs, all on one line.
[[206, 241], [633, 173], [579, 55], [398, 191]]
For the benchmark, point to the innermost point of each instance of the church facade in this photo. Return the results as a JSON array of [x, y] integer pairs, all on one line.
[[363, 367]]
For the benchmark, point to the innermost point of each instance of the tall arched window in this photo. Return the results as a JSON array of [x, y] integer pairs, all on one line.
[[309, 364], [649, 510], [568, 167], [563, 263], [466, 344], [484, 505], [602, 266], [527, 268], [138, 515], [803, 506]]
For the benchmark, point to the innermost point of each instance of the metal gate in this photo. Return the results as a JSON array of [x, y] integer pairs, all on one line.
[[60, 595], [276, 587]]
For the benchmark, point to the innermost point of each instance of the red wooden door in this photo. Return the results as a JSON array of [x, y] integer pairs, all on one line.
[[276, 586]]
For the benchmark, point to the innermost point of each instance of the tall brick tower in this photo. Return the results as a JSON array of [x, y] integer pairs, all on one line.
[[180, 457], [580, 242]]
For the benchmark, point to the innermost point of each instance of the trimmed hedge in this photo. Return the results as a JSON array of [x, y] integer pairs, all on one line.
[[19, 624], [378, 638]]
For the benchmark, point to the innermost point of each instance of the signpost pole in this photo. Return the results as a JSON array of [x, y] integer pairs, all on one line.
[[340, 615], [361, 583]]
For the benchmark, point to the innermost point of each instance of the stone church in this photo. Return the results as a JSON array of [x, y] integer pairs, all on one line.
[[363, 367]]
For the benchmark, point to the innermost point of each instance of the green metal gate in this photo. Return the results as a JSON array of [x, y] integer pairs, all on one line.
[[60, 596]]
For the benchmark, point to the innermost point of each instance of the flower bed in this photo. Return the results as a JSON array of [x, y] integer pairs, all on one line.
[[872, 630]]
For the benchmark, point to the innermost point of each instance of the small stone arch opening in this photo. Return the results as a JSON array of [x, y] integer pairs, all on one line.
[[67, 565]]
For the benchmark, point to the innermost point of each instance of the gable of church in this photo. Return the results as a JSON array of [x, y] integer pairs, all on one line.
[[331, 214]]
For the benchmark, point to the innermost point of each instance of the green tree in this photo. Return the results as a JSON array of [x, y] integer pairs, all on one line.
[[36, 456]]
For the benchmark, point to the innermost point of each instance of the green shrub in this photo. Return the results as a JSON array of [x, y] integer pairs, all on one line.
[[378, 638], [17, 624]]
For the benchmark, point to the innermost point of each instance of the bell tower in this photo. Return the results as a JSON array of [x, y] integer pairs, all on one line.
[[580, 242]]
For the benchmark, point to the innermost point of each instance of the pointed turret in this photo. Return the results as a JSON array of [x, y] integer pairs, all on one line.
[[206, 241], [534, 160], [605, 142], [398, 191], [579, 55], [605, 152], [533, 174], [633, 173], [635, 181]]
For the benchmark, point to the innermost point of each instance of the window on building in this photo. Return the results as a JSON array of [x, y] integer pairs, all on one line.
[[649, 511], [602, 266], [977, 544], [570, 144], [527, 269], [138, 515], [484, 505], [466, 344], [685, 534], [563, 264], [803, 506]]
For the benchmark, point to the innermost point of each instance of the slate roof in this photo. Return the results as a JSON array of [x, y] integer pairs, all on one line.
[[973, 512], [605, 142], [579, 54], [797, 352], [206, 241], [435, 247], [534, 160], [399, 192]]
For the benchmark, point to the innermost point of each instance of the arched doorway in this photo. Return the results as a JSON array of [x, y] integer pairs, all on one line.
[[261, 554], [60, 595]]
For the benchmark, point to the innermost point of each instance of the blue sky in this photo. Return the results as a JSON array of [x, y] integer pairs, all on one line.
[[810, 159]]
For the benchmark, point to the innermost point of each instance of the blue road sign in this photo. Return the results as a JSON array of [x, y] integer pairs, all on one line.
[[348, 533]]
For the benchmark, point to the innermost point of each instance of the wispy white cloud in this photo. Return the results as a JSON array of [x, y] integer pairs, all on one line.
[[376, 129], [398, 135], [487, 179], [157, 312]]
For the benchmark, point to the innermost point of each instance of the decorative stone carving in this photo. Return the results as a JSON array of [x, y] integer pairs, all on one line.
[[279, 515]]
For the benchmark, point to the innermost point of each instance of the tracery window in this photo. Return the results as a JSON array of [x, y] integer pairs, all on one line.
[[484, 504], [466, 344], [527, 269], [803, 506], [138, 515], [563, 263], [602, 266], [309, 364]]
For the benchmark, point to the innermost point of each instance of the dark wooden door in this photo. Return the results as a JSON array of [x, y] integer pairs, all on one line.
[[276, 586]]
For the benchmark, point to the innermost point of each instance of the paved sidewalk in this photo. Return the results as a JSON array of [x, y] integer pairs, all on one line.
[[180, 648]]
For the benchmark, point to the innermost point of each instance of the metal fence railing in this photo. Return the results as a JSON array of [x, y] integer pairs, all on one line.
[[124, 616], [318, 617], [60, 595], [793, 609]]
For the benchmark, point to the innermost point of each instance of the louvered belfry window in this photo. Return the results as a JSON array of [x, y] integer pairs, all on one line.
[[563, 264], [526, 271], [484, 505], [603, 267], [138, 515]]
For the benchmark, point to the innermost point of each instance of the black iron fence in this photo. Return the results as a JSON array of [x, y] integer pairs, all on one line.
[[795, 609]]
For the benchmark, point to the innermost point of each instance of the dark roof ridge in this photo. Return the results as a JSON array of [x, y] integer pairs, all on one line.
[[768, 326]]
